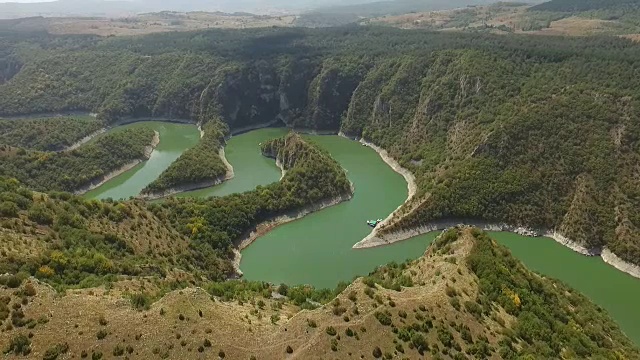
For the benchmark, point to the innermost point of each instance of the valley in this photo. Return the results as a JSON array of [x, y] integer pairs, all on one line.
[[361, 191], [302, 249]]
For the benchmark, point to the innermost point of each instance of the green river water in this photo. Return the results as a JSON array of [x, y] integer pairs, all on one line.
[[174, 140], [317, 249]]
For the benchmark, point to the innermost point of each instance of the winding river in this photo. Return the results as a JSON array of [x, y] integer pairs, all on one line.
[[317, 249]]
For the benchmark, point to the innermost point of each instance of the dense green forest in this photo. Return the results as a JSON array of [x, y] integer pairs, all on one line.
[[198, 165], [47, 134], [71, 170], [551, 320], [69, 241], [533, 131]]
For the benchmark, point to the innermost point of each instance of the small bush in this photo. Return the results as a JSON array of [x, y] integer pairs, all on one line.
[[101, 334], [377, 352], [141, 301], [383, 317], [19, 345], [289, 349], [455, 302], [29, 290], [118, 351], [53, 352], [331, 331], [369, 292], [339, 310]]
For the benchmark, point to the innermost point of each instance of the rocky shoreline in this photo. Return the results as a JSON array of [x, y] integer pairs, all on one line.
[[376, 239], [124, 121], [148, 150], [244, 129], [178, 189], [613, 260], [264, 227]]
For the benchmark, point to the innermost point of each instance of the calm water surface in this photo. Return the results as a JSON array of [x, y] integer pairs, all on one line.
[[316, 250], [250, 168]]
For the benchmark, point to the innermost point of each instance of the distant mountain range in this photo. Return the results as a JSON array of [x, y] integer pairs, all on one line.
[[114, 8]]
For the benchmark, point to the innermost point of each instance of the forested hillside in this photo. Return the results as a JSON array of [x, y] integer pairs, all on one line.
[[50, 134], [531, 131], [466, 298], [616, 16], [75, 169]]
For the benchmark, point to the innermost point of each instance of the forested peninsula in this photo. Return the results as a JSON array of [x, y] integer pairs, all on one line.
[[80, 169], [199, 167]]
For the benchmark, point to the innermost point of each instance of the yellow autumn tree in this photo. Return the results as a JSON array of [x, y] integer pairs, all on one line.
[[46, 271]]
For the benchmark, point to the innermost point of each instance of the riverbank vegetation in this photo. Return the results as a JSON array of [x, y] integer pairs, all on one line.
[[72, 170], [47, 134], [199, 165]]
